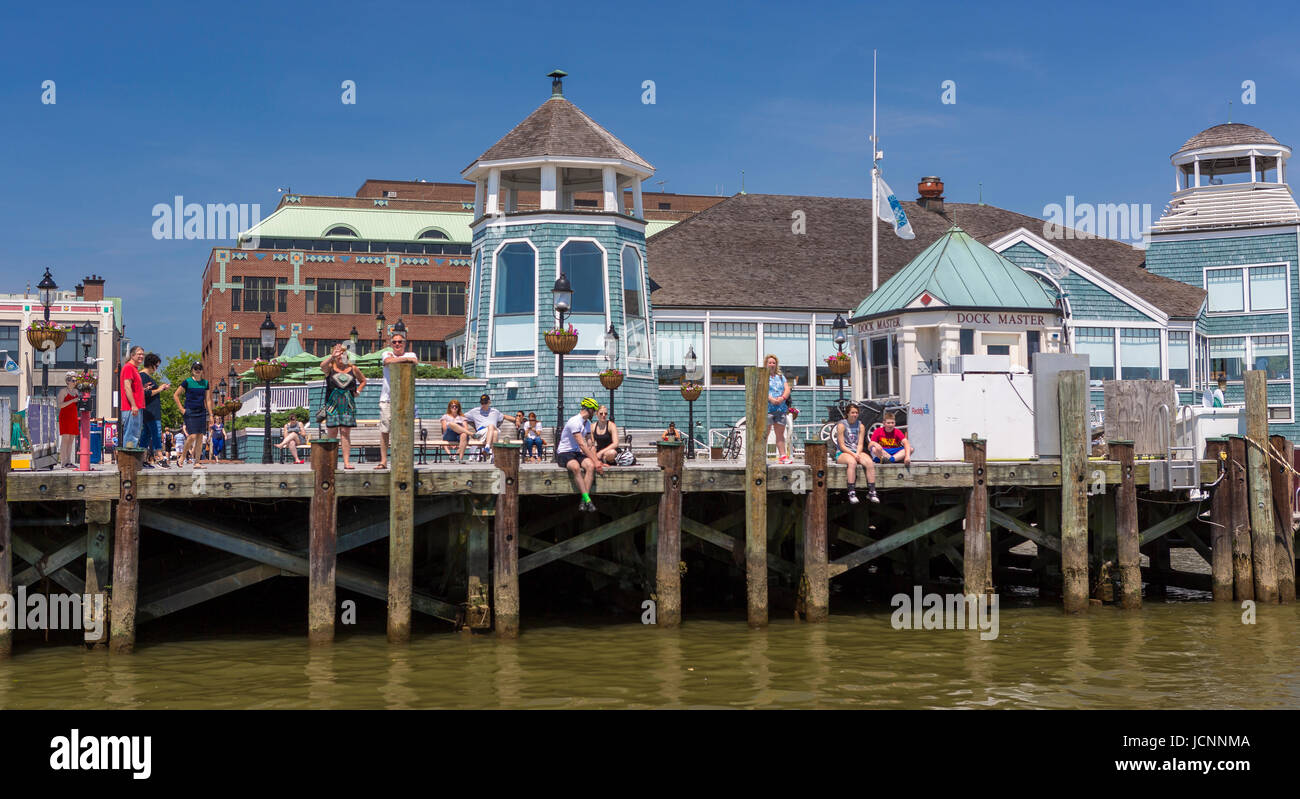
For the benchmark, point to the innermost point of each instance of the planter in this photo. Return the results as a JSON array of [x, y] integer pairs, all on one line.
[[715, 453], [37, 338], [233, 406], [691, 391], [840, 366], [86, 386], [561, 343], [266, 372], [611, 381]]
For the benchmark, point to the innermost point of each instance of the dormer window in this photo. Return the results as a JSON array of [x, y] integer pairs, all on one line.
[[341, 230], [434, 234]]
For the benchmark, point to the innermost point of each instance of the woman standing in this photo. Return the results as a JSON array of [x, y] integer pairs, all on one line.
[[193, 397], [778, 397], [604, 434], [68, 423], [343, 381]]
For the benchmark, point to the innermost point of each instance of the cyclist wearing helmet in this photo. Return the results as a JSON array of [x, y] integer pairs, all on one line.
[[575, 452]]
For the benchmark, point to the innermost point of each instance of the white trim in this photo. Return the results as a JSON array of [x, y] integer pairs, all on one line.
[[604, 273], [593, 217], [645, 305], [1211, 153], [1245, 290], [488, 357], [622, 165], [1236, 233], [1249, 356]]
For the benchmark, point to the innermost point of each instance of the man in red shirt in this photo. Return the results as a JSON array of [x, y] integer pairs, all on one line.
[[132, 399], [889, 444]]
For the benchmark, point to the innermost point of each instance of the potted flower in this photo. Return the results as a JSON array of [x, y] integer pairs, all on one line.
[[561, 341], [691, 390], [41, 331], [611, 379], [838, 363], [86, 381], [267, 371]]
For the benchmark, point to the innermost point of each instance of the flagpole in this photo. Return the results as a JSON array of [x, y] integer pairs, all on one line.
[[875, 179]]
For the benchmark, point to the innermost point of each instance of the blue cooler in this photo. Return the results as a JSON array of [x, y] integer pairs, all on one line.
[[96, 441]]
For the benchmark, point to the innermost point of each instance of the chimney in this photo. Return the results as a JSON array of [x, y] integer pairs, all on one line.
[[931, 191], [80, 290], [92, 288]]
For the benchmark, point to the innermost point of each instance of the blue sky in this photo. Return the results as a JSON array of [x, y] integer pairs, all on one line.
[[227, 102]]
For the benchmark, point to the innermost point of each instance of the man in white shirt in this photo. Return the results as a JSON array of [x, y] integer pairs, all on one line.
[[486, 421], [577, 454], [396, 353]]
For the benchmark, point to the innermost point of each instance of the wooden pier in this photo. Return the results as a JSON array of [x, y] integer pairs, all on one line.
[[461, 536]]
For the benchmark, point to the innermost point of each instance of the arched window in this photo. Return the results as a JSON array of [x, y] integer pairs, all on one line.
[[514, 302], [341, 230], [471, 325], [433, 234], [634, 305], [584, 264]]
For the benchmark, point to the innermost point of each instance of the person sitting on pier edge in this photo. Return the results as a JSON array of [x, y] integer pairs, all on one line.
[[887, 442], [778, 395], [193, 397], [291, 436], [574, 451], [344, 381], [604, 435], [532, 436], [486, 422], [849, 439], [398, 352], [455, 428]]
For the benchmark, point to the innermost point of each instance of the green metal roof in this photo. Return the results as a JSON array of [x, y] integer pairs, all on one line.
[[371, 224], [958, 271], [292, 348]]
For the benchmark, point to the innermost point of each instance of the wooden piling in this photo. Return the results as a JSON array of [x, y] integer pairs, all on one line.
[[1262, 529], [1283, 517], [1126, 527], [756, 495], [478, 610], [401, 500], [126, 553], [505, 583], [99, 541], [1216, 449], [976, 564], [6, 549], [1243, 582], [668, 545], [816, 574], [323, 544], [1072, 393]]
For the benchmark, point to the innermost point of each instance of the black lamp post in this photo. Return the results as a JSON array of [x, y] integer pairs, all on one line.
[[355, 337], [379, 329], [46, 287], [840, 326], [563, 303], [611, 355], [84, 399], [268, 351], [234, 434], [398, 327], [688, 364]]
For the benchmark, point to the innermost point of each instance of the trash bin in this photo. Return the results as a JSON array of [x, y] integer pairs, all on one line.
[[96, 441]]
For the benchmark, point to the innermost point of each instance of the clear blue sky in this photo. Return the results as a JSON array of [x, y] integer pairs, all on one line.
[[225, 102]]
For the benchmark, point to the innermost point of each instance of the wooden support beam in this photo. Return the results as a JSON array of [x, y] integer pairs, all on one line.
[[1283, 516], [668, 554], [6, 548], [1072, 393], [505, 583], [46, 565], [1243, 580], [1193, 539], [896, 540], [1262, 529], [1216, 449], [720, 539], [977, 565], [756, 495], [1168, 524], [323, 543], [582, 560], [1126, 527], [32, 554], [478, 548], [583, 540], [223, 577], [1039, 536], [401, 500], [99, 563], [816, 570], [126, 553]]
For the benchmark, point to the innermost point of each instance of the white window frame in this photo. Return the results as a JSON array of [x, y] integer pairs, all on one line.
[[1250, 353], [598, 360], [645, 309], [510, 366], [1244, 269]]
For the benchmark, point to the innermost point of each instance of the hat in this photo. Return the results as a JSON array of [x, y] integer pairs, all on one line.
[[485, 398], [196, 365]]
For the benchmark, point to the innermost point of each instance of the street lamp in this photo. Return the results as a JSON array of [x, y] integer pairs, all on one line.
[[234, 434], [47, 287], [268, 351], [399, 326], [355, 336], [84, 400], [611, 355], [563, 303], [689, 363], [839, 326], [379, 328]]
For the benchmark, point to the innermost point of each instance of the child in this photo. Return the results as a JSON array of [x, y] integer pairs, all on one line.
[[888, 442]]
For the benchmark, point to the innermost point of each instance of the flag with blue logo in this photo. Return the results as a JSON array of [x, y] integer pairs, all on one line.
[[10, 366], [891, 210]]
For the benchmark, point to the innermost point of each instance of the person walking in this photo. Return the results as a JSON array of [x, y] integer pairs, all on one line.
[[575, 453], [194, 399], [219, 440], [343, 381], [69, 425], [604, 436], [151, 434], [778, 408], [397, 352], [132, 421], [849, 440]]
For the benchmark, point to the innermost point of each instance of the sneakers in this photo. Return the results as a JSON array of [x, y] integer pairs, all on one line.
[[588, 506], [853, 497], [871, 495], [785, 459]]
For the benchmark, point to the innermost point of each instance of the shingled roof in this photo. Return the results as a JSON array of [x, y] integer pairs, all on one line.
[[742, 253], [560, 128], [1226, 135]]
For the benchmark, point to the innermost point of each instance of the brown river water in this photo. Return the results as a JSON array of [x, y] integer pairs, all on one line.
[[1167, 655]]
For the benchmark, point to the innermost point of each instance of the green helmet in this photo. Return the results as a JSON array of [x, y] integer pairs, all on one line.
[[589, 404]]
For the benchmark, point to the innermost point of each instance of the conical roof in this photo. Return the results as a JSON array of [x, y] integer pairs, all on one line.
[[560, 128], [957, 271], [1231, 134]]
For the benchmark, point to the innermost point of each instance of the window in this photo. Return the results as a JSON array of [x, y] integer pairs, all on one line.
[[1180, 355], [732, 347], [258, 295], [672, 341], [1267, 288], [429, 350], [341, 297], [437, 299], [789, 343], [9, 340], [1249, 289], [246, 349], [70, 355], [1271, 354], [1279, 413], [634, 315], [967, 341], [323, 346], [825, 347], [471, 324], [433, 234], [1139, 354], [665, 206], [1098, 343], [1227, 358], [880, 366], [1225, 290], [341, 230], [584, 203], [584, 264], [390, 194], [998, 349], [515, 301], [1033, 344]]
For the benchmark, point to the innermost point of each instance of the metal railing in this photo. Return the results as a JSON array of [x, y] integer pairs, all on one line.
[[283, 398]]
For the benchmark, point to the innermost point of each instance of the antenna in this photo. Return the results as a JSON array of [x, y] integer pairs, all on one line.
[[981, 192], [742, 181], [661, 185], [1229, 112]]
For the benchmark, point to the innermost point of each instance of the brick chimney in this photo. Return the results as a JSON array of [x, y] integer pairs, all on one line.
[[931, 191], [92, 288]]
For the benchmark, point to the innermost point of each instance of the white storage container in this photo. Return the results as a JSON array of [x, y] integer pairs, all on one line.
[[945, 408]]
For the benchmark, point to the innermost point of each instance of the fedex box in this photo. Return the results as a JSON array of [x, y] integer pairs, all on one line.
[[945, 408]]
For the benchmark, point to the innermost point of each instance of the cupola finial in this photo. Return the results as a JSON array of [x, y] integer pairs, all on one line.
[[557, 82]]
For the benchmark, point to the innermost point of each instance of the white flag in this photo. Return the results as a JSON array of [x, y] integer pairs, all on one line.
[[891, 210], [10, 366]]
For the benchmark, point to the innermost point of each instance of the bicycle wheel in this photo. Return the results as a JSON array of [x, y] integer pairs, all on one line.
[[827, 430]]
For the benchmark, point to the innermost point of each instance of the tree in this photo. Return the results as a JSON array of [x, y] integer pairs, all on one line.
[[177, 369]]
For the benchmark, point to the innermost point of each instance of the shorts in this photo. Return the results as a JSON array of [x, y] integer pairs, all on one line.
[[563, 458], [778, 417], [451, 436], [196, 424], [385, 416], [892, 451]]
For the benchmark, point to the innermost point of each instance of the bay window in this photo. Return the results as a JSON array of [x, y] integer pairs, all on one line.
[[584, 264], [634, 306], [515, 301]]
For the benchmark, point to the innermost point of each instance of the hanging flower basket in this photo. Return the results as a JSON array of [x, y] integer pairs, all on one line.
[[267, 371], [611, 379], [838, 363], [562, 342], [40, 332], [86, 381], [691, 390]]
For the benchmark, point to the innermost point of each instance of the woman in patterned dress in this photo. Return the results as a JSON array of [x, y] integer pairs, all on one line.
[[343, 380]]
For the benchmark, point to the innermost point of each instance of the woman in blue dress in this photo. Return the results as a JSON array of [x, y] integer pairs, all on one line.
[[343, 380]]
